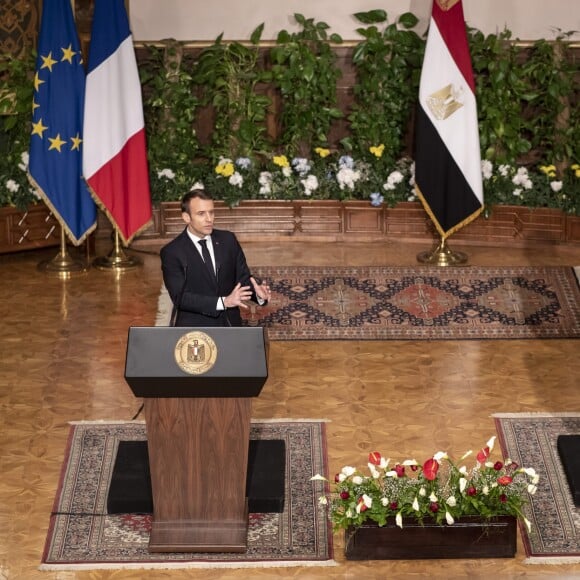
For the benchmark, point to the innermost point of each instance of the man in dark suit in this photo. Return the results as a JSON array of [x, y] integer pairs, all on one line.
[[208, 286]]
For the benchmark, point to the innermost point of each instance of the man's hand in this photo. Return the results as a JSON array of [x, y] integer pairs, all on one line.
[[238, 296], [262, 290]]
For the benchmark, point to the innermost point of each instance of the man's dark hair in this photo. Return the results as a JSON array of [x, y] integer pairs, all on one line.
[[192, 194]]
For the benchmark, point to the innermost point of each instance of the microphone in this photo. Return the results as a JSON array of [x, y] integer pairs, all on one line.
[[177, 305]]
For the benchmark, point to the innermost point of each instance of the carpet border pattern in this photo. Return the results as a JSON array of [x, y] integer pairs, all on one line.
[[530, 439], [81, 533]]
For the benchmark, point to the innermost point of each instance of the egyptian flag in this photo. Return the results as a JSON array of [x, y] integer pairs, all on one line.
[[115, 158], [447, 154]]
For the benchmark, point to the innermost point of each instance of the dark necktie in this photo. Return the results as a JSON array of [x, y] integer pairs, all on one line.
[[206, 257]]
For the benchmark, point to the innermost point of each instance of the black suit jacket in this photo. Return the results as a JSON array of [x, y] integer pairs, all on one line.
[[193, 290]]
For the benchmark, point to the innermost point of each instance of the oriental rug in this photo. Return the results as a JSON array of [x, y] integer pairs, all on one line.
[[414, 303], [531, 441], [82, 535]]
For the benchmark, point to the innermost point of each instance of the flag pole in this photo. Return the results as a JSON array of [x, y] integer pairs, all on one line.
[[62, 265], [117, 260], [442, 255]]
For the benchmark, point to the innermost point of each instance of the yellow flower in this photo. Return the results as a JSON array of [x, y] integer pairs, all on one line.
[[575, 167], [577, 173], [549, 170], [226, 169], [377, 151], [322, 152], [281, 161]]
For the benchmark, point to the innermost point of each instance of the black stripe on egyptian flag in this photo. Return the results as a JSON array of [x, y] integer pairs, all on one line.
[[439, 178]]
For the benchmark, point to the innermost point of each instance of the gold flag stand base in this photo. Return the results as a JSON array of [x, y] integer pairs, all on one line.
[[62, 265], [442, 255], [117, 260]]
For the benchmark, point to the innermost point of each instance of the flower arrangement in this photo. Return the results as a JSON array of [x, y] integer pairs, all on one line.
[[440, 490]]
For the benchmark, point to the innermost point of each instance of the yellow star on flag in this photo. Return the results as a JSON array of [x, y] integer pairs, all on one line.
[[68, 53], [48, 61], [35, 105], [38, 128], [37, 81], [56, 143], [76, 142]]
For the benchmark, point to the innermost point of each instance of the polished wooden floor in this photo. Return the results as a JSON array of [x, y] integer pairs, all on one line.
[[62, 349]]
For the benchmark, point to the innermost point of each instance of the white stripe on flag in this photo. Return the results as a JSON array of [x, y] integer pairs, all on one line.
[[459, 131], [111, 117]]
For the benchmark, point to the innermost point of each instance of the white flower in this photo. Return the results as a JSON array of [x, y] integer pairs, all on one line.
[[167, 173], [532, 489], [347, 178], [485, 490], [451, 501], [391, 473], [374, 471], [433, 497], [521, 176], [535, 479], [517, 191], [366, 500], [409, 462], [12, 186], [528, 471], [416, 504], [486, 168], [349, 513], [384, 462], [341, 477], [318, 477], [322, 500], [463, 470], [286, 171], [384, 501], [494, 484], [489, 464], [301, 165], [504, 170], [422, 492], [439, 456], [556, 185], [236, 179], [449, 518], [197, 185], [310, 184], [399, 520], [25, 158], [462, 484], [357, 479], [490, 443], [348, 470]]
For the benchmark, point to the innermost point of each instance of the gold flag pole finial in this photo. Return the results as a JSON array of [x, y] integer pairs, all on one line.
[[117, 260], [442, 255], [62, 265]]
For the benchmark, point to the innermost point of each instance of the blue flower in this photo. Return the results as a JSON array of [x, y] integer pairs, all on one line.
[[377, 199], [244, 162]]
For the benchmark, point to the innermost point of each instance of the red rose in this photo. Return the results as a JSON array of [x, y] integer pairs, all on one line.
[[414, 467], [434, 507], [471, 491], [400, 470], [394, 505], [375, 458], [497, 465], [344, 495], [503, 498], [504, 480], [337, 478], [430, 468]]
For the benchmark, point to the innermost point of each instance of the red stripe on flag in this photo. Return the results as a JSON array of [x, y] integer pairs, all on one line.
[[122, 187], [450, 22]]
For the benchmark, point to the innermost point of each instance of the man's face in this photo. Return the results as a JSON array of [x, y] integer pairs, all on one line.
[[200, 218]]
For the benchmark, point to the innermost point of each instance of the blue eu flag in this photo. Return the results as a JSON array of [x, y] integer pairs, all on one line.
[[57, 119]]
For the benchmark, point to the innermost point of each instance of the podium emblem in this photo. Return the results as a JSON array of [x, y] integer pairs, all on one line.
[[195, 353]]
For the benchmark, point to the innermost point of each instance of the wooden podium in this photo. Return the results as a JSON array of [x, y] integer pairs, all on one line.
[[198, 385]]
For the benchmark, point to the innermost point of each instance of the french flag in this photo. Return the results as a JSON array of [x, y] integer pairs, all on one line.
[[114, 155], [447, 153]]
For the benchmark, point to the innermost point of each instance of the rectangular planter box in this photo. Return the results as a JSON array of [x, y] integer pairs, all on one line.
[[468, 537], [27, 230]]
